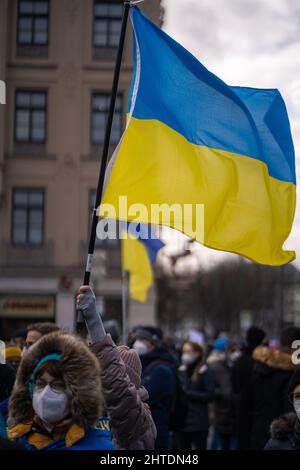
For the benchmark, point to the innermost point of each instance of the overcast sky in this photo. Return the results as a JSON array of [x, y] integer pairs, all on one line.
[[252, 43]]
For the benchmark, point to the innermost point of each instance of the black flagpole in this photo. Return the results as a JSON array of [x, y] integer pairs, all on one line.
[[87, 274]]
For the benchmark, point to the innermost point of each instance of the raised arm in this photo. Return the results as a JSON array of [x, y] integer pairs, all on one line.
[[130, 418]]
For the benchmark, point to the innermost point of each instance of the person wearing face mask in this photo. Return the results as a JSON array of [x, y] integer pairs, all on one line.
[[198, 383], [159, 379], [57, 396], [265, 394], [285, 431]]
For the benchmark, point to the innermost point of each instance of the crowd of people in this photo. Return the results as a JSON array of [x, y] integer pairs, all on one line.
[[60, 391]]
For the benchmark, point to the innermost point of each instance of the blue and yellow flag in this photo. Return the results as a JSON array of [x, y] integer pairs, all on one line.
[[139, 253], [191, 139]]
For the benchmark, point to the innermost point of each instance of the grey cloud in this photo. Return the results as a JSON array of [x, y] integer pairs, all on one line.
[[248, 43]]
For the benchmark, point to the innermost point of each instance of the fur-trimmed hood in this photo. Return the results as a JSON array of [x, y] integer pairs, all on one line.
[[273, 358], [81, 374], [282, 427]]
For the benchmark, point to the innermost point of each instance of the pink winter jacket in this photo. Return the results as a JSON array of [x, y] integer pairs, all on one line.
[[129, 415]]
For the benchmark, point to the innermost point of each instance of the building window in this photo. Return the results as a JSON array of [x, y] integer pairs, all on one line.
[[28, 217], [100, 107], [107, 23], [33, 23], [30, 120]]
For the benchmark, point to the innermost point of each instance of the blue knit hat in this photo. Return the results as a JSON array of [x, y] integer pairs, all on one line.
[[31, 381], [221, 344]]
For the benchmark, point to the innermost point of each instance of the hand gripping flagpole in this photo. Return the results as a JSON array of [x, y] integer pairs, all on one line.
[[88, 269]]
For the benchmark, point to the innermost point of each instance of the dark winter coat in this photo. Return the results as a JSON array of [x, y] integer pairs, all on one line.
[[129, 415], [285, 433], [158, 377], [199, 394], [223, 404], [7, 380], [265, 395], [10, 445], [241, 373], [81, 373], [3, 418]]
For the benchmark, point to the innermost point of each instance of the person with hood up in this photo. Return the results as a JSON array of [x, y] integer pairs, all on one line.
[[25, 338], [285, 431], [159, 379], [125, 398], [265, 394], [198, 383], [56, 399]]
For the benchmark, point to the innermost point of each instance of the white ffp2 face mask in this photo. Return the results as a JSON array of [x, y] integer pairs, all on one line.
[[297, 408], [188, 359], [140, 348], [50, 406]]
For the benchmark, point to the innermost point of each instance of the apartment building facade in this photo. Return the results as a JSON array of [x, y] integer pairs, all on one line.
[[57, 60]]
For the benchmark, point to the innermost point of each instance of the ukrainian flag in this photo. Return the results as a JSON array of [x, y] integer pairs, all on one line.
[[192, 139], [139, 252]]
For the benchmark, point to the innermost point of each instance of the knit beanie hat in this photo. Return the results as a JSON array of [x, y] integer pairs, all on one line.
[[132, 363], [13, 352], [221, 344], [295, 380]]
